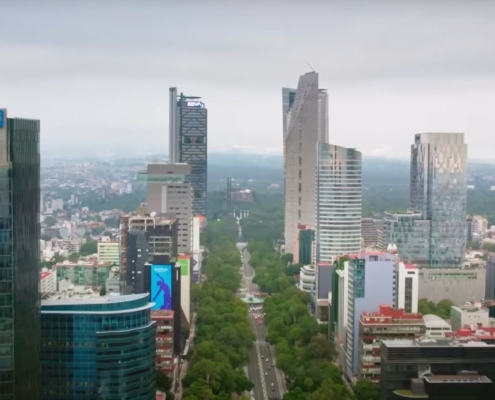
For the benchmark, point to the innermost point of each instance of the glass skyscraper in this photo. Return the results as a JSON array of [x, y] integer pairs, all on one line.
[[20, 373], [188, 126], [439, 193], [338, 202], [100, 347]]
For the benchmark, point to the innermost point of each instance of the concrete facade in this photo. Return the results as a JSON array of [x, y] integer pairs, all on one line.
[[490, 278], [305, 124], [458, 285], [168, 193], [370, 284]]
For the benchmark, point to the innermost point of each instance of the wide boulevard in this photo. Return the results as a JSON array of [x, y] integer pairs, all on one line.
[[268, 380]]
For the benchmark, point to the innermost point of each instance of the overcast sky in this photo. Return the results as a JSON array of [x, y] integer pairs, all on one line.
[[97, 73]]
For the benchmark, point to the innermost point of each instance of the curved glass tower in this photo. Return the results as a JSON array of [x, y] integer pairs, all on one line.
[[98, 348], [338, 202]]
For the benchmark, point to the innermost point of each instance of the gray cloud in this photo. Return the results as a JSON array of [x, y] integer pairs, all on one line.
[[390, 69]]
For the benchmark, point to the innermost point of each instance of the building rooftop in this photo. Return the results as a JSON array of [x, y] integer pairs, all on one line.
[[88, 297], [82, 264], [44, 275], [471, 378], [434, 321], [389, 315], [426, 342], [473, 332]]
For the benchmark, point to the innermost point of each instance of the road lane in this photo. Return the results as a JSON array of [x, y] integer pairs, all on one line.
[[260, 371]]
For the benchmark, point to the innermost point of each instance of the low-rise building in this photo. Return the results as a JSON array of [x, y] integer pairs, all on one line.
[[112, 284], [83, 274], [403, 360], [386, 324], [108, 252], [465, 385], [48, 281], [468, 314], [475, 333], [457, 284], [436, 327], [165, 362]]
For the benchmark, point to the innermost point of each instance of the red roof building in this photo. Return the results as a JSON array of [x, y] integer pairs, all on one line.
[[387, 324]]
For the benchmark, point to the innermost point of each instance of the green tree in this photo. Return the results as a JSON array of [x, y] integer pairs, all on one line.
[[103, 290], [288, 258], [293, 269], [46, 237], [366, 390], [163, 382], [50, 221], [89, 248], [74, 257]]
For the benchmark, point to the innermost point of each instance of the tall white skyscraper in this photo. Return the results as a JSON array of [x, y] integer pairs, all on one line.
[[338, 202], [305, 123]]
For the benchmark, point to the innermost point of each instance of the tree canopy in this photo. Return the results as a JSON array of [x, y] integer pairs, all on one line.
[[304, 354], [223, 334], [441, 309]]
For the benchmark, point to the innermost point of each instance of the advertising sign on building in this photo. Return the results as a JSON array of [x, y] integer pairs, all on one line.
[[184, 262], [161, 286]]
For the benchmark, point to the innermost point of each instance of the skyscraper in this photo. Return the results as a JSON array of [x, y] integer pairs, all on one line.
[[338, 202], [98, 347], [20, 371], [305, 124], [188, 121], [439, 193]]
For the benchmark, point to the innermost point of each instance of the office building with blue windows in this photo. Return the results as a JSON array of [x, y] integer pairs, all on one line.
[[98, 347], [20, 372]]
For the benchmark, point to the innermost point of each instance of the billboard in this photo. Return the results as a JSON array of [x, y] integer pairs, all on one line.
[[184, 265], [2, 118], [161, 286]]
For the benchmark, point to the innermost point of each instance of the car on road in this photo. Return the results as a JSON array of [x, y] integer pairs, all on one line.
[[267, 359]]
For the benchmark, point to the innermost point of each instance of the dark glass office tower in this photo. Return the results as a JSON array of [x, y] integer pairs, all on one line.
[[19, 258], [188, 122]]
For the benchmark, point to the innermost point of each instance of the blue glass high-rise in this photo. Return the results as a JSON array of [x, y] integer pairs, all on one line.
[[20, 372], [100, 347]]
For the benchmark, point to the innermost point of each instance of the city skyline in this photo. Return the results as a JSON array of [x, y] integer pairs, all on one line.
[[382, 88]]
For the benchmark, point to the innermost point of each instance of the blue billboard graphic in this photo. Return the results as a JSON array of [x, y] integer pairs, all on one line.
[[2, 118], [161, 286]]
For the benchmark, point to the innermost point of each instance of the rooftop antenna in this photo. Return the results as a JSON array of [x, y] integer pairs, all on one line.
[[311, 67]]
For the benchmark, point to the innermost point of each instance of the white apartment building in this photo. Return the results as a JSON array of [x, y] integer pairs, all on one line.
[[305, 123], [307, 279], [479, 225], [407, 282], [109, 252], [48, 281], [470, 314], [168, 192], [436, 327], [338, 202]]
